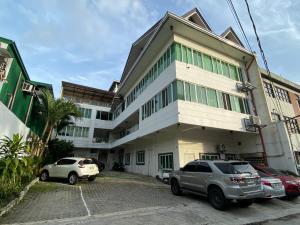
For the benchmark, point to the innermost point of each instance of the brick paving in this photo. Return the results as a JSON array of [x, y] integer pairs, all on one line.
[[124, 198]]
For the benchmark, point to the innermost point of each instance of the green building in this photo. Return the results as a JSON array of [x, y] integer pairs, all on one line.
[[18, 94]]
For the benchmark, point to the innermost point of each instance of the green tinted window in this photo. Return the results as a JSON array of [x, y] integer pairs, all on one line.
[[187, 91], [219, 67], [242, 107], [178, 52], [201, 95], [212, 97], [165, 60], [193, 93], [180, 90], [220, 99], [240, 74], [232, 103], [199, 55], [169, 93], [246, 105], [168, 56], [233, 72], [195, 56], [189, 56], [225, 69], [184, 54], [215, 68], [173, 52], [207, 63]]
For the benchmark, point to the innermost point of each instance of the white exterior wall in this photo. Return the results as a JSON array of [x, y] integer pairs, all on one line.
[[11, 124], [194, 141], [81, 142], [162, 142]]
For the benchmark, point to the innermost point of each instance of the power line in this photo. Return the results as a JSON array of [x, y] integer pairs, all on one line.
[[263, 56], [237, 20]]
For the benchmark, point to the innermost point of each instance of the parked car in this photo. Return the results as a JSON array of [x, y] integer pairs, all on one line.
[[221, 181], [272, 187], [71, 168], [290, 183]]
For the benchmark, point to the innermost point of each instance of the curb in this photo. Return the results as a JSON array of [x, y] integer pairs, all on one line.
[[16, 201]]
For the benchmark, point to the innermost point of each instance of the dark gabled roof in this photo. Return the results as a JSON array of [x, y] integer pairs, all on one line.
[[84, 91], [232, 36], [114, 83], [196, 12], [137, 48]]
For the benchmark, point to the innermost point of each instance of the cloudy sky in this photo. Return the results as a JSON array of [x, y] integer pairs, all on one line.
[[87, 42]]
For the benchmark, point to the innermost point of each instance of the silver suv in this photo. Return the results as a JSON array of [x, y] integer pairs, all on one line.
[[220, 181]]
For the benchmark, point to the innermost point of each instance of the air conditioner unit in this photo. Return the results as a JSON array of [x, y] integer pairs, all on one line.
[[27, 87], [245, 86], [252, 123], [255, 120], [3, 75], [221, 148]]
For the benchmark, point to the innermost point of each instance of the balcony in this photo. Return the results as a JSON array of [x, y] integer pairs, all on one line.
[[101, 136]]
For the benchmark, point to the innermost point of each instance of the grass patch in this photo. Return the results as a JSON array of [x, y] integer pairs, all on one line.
[[42, 187]]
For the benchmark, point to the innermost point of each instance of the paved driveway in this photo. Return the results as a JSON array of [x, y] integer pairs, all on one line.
[[123, 198]]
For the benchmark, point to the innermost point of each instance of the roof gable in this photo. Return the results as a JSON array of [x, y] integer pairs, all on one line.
[[230, 35], [195, 16]]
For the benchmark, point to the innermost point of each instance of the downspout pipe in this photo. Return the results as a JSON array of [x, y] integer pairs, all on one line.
[[255, 112]]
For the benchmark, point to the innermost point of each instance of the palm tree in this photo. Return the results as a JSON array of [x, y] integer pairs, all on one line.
[[58, 114]]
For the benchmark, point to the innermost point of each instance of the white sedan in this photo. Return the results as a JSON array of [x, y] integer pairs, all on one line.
[[71, 168]]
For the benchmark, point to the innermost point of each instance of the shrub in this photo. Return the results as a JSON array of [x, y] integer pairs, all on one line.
[[17, 165]]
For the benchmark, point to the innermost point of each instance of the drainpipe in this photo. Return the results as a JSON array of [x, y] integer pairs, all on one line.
[[255, 112], [29, 107]]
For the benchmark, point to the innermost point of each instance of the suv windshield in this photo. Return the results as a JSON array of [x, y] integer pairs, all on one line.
[[235, 167]]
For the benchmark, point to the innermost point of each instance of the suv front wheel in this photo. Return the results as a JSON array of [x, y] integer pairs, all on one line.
[[217, 198], [175, 187]]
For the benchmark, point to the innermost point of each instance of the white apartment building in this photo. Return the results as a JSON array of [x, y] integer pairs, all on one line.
[[183, 95]]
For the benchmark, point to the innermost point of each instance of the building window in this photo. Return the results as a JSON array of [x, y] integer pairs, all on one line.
[[103, 115], [282, 94], [140, 158], [93, 151], [74, 131], [86, 113], [231, 157], [292, 125], [226, 100], [269, 89], [212, 97], [165, 161], [233, 72], [209, 156], [127, 159], [207, 63]]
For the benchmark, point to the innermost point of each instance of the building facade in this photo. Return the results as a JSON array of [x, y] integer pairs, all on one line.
[[18, 94], [184, 94], [279, 111]]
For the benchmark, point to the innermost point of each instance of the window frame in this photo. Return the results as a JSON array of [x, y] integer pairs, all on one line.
[[137, 162]]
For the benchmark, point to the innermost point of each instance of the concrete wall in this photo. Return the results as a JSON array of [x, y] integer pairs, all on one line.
[[162, 142], [10, 124], [194, 140]]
